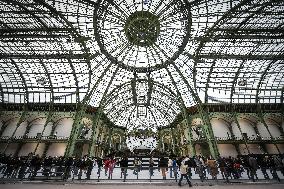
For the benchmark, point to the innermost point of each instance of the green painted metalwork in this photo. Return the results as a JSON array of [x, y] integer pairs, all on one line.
[[142, 28], [94, 133], [235, 118], [109, 145], [77, 126], [186, 116], [203, 115], [98, 114]]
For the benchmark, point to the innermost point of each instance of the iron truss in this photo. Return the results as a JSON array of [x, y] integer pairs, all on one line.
[[141, 60]]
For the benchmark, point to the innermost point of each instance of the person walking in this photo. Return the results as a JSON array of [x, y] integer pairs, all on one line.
[[184, 173]]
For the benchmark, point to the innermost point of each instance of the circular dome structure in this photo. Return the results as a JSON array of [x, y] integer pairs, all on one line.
[[140, 36], [142, 63]]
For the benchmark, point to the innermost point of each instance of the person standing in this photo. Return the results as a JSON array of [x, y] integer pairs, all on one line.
[[213, 166], [253, 168], [264, 163], [163, 165], [184, 173], [123, 166], [170, 165], [151, 166], [175, 168], [100, 165], [89, 167]]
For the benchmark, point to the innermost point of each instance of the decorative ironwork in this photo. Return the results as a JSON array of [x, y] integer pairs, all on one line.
[[140, 36]]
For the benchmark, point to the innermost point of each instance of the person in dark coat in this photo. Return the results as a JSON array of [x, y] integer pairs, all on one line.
[[123, 165], [264, 163], [89, 167], [163, 165], [100, 165], [253, 168]]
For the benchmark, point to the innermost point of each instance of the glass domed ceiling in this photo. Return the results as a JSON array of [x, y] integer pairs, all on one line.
[[141, 61]]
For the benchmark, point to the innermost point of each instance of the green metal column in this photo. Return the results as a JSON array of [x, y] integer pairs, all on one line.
[[109, 143], [204, 116], [173, 140], [159, 139], [95, 126], [82, 106], [190, 136], [235, 118], [98, 114], [75, 132], [209, 132]]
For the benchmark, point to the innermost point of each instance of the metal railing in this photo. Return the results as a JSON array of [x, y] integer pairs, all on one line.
[[124, 174]]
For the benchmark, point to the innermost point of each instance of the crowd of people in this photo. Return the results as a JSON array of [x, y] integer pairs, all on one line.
[[176, 167]]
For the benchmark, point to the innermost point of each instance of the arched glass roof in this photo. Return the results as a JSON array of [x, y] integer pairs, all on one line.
[[141, 61]]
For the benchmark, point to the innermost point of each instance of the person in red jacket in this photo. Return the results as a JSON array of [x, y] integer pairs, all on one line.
[[106, 165]]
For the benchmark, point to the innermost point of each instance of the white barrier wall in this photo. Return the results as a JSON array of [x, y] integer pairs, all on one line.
[[273, 128], [247, 127], [262, 130], [21, 129], [36, 127], [227, 150], [27, 148], [11, 126], [63, 127], [40, 149], [271, 148], [48, 129], [243, 149], [255, 149], [85, 149], [56, 149], [281, 148], [12, 148], [30, 148], [236, 130], [220, 128]]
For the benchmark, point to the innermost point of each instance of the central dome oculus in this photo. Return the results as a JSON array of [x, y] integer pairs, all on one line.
[[142, 28]]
